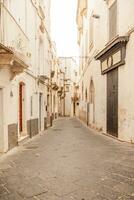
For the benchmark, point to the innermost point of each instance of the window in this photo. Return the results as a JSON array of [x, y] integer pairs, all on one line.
[[48, 100], [31, 106], [92, 92], [113, 20], [82, 90], [86, 95]]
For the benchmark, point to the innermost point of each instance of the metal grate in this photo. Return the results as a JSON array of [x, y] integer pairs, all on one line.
[[32, 147], [57, 129]]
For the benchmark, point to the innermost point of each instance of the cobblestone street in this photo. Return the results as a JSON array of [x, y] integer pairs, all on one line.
[[68, 162]]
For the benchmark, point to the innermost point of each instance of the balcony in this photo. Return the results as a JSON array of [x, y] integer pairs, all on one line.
[[60, 91], [55, 86], [75, 99], [14, 44], [43, 79]]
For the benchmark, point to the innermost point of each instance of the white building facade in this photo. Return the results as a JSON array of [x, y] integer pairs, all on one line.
[[25, 69], [105, 37], [69, 69], [55, 82]]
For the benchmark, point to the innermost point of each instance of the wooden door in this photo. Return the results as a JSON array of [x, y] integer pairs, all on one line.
[[1, 120], [40, 111], [112, 102], [88, 106], [20, 107], [74, 108]]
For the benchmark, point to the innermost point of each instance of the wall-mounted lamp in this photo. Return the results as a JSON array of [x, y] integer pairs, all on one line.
[[96, 16], [11, 93]]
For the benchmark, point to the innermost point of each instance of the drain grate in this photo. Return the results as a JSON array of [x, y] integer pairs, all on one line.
[[32, 147], [57, 129]]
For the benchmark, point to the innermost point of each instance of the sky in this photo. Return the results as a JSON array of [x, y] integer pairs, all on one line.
[[63, 26]]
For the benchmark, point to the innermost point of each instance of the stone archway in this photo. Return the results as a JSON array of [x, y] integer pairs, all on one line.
[[91, 114]]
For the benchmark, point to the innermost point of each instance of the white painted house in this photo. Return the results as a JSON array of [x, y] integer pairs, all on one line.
[[106, 40], [69, 67], [25, 68]]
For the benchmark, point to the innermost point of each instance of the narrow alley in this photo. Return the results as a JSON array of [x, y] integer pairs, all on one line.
[[66, 100], [68, 162]]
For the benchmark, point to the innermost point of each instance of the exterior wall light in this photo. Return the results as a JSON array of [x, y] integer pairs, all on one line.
[[11, 93], [96, 16]]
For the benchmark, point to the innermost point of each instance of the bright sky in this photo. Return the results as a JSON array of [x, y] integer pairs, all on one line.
[[63, 26]]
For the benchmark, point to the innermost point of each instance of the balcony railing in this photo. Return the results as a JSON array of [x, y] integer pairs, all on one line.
[[12, 35]]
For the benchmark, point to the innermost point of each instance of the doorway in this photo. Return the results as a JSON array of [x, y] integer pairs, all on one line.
[[112, 102], [48, 110], [40, 111], [91, 104], [22, 109], [74, 108], [54, 107], [1, 120]]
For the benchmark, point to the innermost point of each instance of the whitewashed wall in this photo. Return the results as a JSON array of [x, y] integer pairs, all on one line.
[[125, 24]]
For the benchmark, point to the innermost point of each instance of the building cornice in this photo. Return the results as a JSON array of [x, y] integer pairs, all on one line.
[[117, 41], [113, 55]]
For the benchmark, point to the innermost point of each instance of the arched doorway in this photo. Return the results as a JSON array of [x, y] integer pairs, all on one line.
[[91, 115], [54, 106]]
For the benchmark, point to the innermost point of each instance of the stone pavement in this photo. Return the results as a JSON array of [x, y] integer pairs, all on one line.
[[68, 162]]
